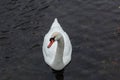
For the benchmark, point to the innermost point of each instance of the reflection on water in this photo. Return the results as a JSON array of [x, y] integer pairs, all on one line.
[[58, 74]]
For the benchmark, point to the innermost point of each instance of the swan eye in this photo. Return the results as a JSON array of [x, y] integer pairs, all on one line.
[[52, 39]]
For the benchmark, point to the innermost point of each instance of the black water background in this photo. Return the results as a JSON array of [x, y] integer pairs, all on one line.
[[93, 26]]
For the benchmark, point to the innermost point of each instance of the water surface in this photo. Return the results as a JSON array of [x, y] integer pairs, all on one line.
[[93, 27]]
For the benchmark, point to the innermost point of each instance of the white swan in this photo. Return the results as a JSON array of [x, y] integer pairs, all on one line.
[[57, 48]]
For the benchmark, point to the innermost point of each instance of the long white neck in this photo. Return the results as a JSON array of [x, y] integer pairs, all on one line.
[[58, 61]]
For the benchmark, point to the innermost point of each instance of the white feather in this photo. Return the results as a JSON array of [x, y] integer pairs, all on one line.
[[49, 53]]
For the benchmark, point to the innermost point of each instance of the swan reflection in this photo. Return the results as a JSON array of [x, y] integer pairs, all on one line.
[[59, 75]]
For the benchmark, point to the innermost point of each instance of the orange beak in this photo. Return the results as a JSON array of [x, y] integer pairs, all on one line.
[[50, 44]]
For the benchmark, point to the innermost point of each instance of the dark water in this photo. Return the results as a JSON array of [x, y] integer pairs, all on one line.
[[93, 26]]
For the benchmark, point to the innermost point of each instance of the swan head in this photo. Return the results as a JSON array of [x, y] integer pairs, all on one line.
[[56, 36]]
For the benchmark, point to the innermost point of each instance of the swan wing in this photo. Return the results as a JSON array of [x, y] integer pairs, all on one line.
[[67, 49]]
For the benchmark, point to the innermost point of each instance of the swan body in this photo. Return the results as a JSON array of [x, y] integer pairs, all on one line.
[[57, 48]]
